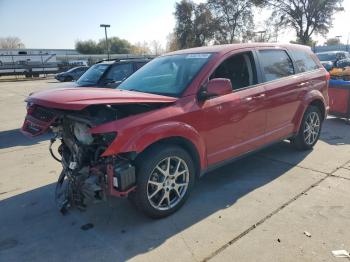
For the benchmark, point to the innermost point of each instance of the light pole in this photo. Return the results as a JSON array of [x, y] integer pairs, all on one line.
[[105, 26]]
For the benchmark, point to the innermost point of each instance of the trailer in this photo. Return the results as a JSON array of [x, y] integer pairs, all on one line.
[[29, 65]]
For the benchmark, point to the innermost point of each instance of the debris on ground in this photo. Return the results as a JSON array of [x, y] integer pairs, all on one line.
[[279, 240], [307, 234], [87, 226], [340, 253]]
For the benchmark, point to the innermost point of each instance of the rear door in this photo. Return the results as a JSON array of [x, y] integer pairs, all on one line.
[[282, 90]]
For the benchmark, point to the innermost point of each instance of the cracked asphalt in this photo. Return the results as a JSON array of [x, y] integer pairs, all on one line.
[[255, 209]]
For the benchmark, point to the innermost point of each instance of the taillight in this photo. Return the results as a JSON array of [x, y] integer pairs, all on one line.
[[328, 76]]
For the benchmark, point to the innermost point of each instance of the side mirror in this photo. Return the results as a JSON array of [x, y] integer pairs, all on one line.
[[216, 87]]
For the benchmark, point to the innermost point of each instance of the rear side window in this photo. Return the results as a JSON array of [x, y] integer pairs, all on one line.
[[138, 65], [304, 62], [275, 64]]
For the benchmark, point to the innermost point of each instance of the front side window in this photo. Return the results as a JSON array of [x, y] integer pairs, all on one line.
[[240, 69], [119, 72], [275, 64], [167, 75], [93, 75], [304, 62]]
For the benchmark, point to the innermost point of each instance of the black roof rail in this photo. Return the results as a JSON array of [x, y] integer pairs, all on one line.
[[125, 59]]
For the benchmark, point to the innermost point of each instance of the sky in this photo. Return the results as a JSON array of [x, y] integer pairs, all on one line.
[[59, 24]]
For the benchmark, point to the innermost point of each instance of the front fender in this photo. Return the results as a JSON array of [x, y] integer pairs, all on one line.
[[139, 139]]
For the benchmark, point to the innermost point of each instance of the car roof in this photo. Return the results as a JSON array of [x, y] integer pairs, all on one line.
[[231, 47], [331, 52]]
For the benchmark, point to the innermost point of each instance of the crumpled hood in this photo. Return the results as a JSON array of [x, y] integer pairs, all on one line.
[[77, 98]]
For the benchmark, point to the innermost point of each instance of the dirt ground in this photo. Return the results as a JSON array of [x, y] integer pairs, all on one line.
[[256, 209]]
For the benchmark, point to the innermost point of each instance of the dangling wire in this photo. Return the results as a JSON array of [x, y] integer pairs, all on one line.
[[52, 141]]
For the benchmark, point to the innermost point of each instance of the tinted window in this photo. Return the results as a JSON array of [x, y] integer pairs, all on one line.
[[275, 64], [327, 56], [166, 75], [138, 65], [240, 69], [93, 75], [119, 72], [304, 62]]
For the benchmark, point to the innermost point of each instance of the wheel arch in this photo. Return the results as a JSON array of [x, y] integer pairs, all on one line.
[[182, 142]]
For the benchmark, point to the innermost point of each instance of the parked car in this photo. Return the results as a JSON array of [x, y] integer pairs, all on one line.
[[178, 117], [110, 73], [72, 74], [330, 58]]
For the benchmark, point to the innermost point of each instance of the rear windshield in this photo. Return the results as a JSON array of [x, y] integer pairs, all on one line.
[[167, 75], [327, 57]]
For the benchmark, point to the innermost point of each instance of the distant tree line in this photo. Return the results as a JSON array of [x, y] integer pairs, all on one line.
[[11, 42], [117, 45], [230, 21]]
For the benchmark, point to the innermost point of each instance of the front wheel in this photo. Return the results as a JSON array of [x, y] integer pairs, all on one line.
[[165, 177], [310, 129]]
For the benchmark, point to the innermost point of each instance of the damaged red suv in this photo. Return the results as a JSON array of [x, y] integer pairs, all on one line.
[[178, 117]]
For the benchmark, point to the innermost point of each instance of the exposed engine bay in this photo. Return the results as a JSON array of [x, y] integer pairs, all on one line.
[[86, 176]]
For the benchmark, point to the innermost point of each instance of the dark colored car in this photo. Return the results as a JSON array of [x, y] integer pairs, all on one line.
[[110, 73], [72, 74], [178, 117], [330, 58]]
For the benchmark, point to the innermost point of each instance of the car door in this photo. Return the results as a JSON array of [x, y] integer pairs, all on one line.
[[236, 121], [282, 90]]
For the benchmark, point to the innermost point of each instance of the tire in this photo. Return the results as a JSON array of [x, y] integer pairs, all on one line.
[[161, 193], [305, 140]]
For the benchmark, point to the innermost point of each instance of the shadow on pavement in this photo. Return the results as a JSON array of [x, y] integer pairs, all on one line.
[[33, 230], [12, 138], [336, 132]]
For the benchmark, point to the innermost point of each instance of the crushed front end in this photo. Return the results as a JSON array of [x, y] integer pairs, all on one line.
[[86, 176]]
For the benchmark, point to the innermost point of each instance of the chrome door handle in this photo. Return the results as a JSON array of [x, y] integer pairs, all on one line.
[[261, 96]]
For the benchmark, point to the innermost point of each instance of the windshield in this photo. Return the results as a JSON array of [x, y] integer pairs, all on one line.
[[327, 57], [93, 75], [166, 75]]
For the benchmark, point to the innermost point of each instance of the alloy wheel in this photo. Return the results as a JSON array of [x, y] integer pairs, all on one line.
[[312, 128], [168, 183]]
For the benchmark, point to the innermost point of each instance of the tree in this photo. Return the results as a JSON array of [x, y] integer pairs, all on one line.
[[195, 25], [156, 47], [11, 42], [233, 18], [87, 47], [115, 45], [184, 24], [204, 25], [306, 17], [333, 41], [140, 48], [172, 43]]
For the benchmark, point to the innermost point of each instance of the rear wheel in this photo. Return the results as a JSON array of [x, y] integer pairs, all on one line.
[[165, 177], [310, 129]]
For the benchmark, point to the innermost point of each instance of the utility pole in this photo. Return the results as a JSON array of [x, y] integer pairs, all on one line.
[[105, 26]]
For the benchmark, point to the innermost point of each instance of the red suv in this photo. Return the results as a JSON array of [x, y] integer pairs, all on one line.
[[178, 117]]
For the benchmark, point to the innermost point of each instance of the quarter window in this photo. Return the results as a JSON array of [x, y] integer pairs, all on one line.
[[304, 62], [275, 64]]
